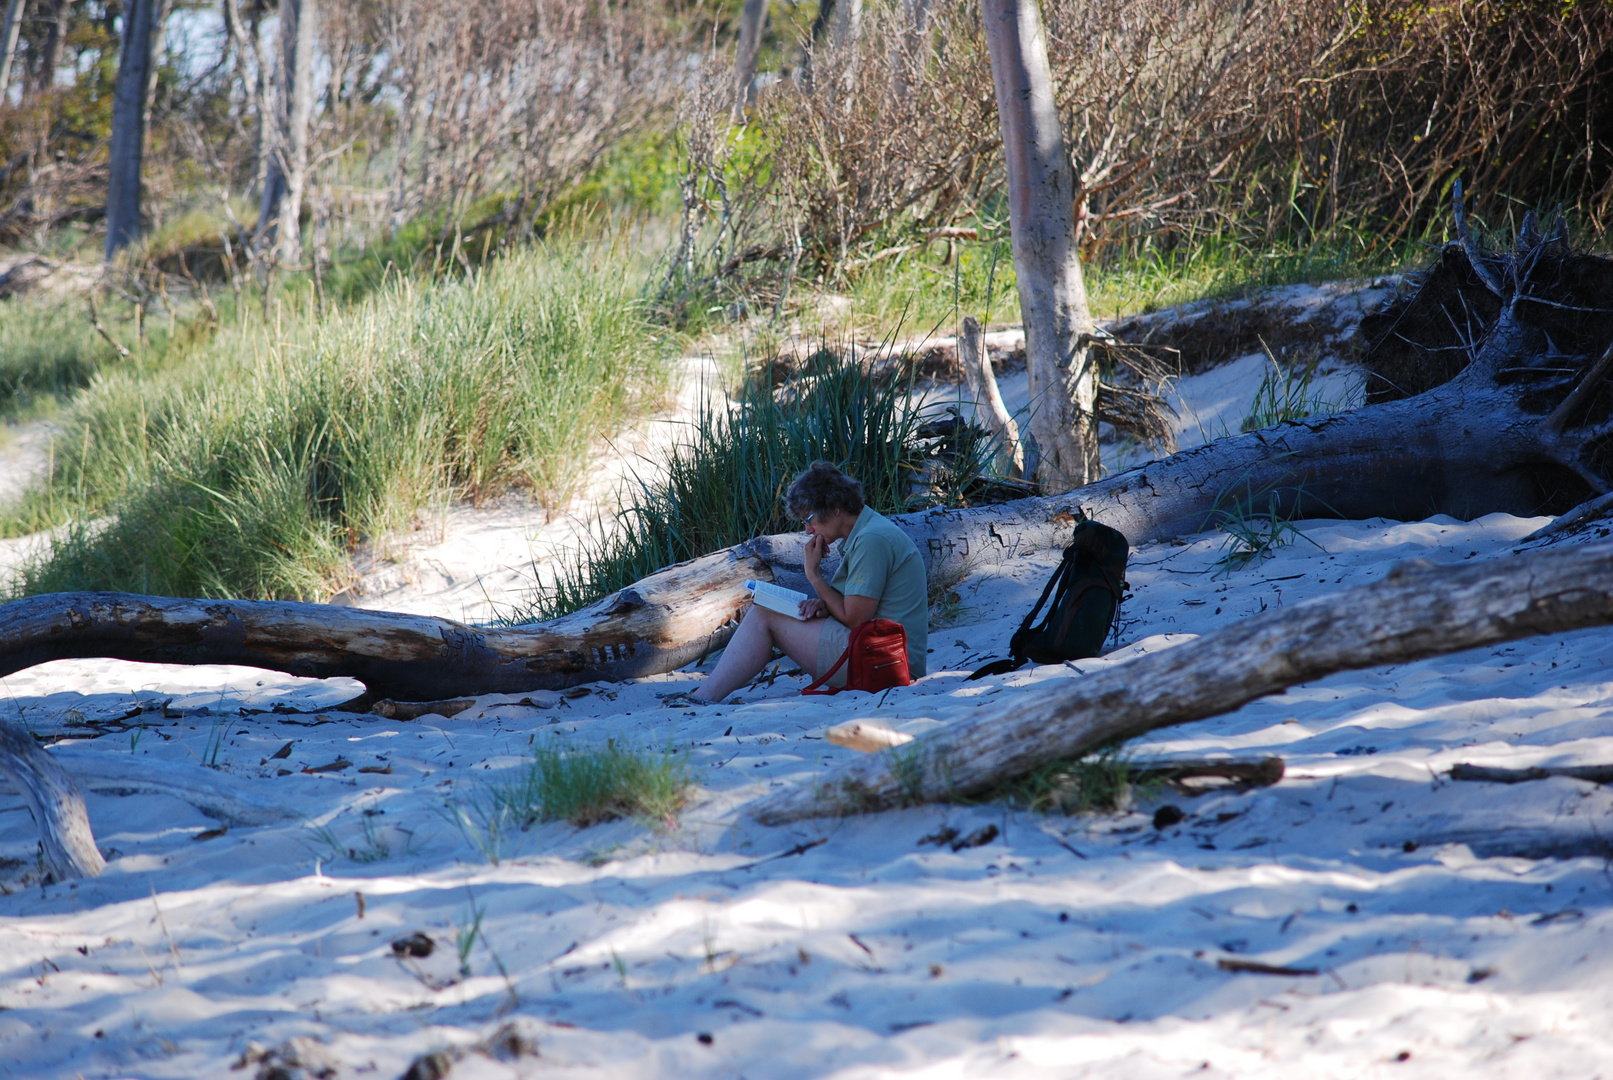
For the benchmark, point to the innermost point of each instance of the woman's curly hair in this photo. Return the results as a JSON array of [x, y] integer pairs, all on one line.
[[822, 487]]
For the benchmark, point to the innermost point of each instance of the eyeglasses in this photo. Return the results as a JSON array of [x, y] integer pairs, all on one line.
[[808, 519]]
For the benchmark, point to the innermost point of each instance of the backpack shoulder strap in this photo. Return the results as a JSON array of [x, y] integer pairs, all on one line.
[[1018, 658]]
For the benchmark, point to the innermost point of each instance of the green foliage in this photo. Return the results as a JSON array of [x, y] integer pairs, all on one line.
[[584, 787], [250, 465], [928, 290], [725, 485], [1255, 523], [466, 931], [1098, 783], [906, 764], [1286, 394]]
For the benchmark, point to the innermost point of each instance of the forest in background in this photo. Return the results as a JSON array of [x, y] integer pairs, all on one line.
[[626, 179], [861, 132]]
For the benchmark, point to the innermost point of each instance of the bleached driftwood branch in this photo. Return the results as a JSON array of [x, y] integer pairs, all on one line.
[[222, 797], [53, 799], [1417, 611], [989, 405]]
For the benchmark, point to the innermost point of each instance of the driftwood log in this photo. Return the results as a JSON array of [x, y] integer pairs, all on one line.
[[224, 798], [1595, 774], [1417, 611], [67, 845]]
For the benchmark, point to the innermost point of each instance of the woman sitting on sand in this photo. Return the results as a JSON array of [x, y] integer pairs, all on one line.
[[881, 576]]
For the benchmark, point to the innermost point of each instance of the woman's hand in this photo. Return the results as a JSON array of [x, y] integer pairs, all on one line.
[[812, 558], [813, 608]]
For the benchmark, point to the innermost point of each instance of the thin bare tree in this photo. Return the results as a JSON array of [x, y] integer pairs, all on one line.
[[280, 210], [12, 27], [1047, 262], [127, 153], [55, 39]]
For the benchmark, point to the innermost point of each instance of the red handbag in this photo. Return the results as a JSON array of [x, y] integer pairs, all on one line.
[[877, 651]]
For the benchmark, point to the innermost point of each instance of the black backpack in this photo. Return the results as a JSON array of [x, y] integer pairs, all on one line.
[[1086, 591]]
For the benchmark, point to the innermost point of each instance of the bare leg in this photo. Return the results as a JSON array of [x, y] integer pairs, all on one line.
[[751, 647]]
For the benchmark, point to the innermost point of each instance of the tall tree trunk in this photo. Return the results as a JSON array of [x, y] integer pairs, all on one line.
[[1047, 263], [752, 19], [12, 27], [128, 126], [263, 96], [848, 21], [280, 211], [820, 29], [254, 83], [55, 40], [845, 38]]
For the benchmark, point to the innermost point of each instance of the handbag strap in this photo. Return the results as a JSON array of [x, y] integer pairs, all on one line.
[[851, 643], [827, 675]]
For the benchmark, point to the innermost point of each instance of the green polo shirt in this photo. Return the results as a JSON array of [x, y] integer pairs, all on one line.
[[879, 561]]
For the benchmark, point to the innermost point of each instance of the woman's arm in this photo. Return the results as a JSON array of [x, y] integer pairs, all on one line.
[[850, 610]]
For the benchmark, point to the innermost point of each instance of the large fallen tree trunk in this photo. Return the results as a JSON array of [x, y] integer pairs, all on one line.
[[1417, 611]]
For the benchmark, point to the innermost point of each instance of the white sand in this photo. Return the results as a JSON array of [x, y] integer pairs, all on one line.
[[868, 955], [1083, 946]]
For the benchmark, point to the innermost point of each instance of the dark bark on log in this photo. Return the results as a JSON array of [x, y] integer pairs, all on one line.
[[1416, 612], [664, 622], [1263, 773], [1596, 774], [414, 710], [53, 799]]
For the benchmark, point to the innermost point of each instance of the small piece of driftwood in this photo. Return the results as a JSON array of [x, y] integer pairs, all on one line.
[[224, 798], [414, 710], [1255, 967], [989, 407], [1596, 774], [859, 735], [1262, 773], [65, 839]]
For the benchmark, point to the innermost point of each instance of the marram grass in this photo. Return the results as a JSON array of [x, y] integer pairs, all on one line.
[[581, 786], [250, 467]]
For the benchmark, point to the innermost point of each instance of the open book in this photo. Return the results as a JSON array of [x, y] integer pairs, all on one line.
[[777, 597]]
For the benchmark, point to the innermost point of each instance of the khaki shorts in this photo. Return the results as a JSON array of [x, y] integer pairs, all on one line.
[[833, 642]]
